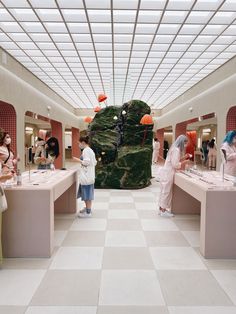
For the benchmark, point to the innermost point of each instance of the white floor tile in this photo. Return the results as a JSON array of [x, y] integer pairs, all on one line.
[[61, 310], [176, 258], [161, 224], [78, 258], [89, 224], [130, 287], [18, 286], [148, 195], [122, 214], [227, 280], [193, 237], [125, 239], [202, 310]]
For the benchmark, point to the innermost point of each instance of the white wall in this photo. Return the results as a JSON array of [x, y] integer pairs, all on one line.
[[25, 92], [216, 93]]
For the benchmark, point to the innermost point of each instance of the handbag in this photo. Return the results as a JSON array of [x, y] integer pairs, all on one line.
[[3, 200]]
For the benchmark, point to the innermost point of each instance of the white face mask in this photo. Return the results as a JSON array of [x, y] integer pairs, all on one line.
[[81, 146], [185, 145], [234, 140], [8, 141]]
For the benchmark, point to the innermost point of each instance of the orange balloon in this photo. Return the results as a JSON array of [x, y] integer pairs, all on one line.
[[146, 119], [88, 119], [102, 97], [97, 109]]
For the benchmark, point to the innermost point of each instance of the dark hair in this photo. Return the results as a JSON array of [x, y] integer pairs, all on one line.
[[53, 146], [212, 143], [84, 139], [40, 139]]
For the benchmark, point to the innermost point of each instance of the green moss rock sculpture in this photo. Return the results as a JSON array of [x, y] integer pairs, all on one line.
[[123, 146]]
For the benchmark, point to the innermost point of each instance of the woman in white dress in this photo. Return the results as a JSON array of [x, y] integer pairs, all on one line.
[[175, 160]]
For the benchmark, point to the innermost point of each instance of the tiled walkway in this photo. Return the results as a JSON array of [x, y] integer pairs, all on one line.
[[124, 260]]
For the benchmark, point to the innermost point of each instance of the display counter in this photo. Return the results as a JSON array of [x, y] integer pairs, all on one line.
[[28, 223], [206, 194]]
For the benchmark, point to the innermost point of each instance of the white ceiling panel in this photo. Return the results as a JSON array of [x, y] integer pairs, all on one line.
[[150, 49]]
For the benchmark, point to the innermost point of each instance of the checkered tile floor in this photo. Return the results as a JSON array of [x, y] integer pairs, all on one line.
[[124, 260]]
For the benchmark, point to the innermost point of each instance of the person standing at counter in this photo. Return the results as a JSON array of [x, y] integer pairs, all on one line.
[[86, 176], [46, 152], [212, 154], [6, 154], [229, 145], [3, 178], [175, 160]]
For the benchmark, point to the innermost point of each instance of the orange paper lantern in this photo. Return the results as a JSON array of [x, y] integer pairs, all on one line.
[[146, 119], [97, 109], [88, 119], [102, 97]]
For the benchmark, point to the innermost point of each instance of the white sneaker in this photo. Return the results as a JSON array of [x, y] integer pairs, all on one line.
[[166, 214], [84, 215], [82, 210]]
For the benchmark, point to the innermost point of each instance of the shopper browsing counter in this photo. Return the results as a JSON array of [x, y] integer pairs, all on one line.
[[174, 161], [46, 152], [229, 146]]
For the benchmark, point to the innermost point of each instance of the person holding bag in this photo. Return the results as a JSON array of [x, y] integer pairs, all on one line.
[[6, 154], [87, 176]]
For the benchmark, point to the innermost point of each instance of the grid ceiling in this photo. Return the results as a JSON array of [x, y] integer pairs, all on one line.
[[152, 50]]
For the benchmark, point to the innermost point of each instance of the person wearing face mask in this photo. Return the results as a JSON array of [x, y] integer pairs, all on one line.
[[46, 152], [176, 159], [6, 154], [86, 176], [229, 146]]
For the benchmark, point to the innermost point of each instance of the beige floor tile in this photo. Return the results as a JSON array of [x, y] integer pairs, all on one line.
[[84, 238], [130, 287], [202, 310], [146, 205], [122, 214], [118, 193], [132, 310], [165, 238], [89, 224], [191, 288], [144, 199], [68, 287], [187, 224], [193, 237], [148, 214], [122, 205], [217, 264], [125, 238], [127, 258], [12, 309], [59, 236], [121, 199], [124, 224], [62, 224], [62, 310], [100, 205], [176, 258], [99, 213], [104, 199], [227, 280], [26, 263]]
